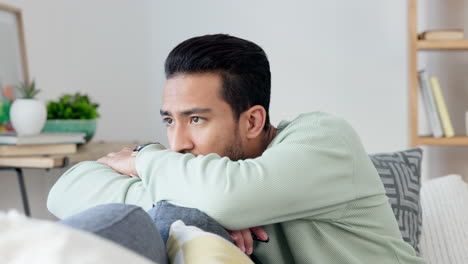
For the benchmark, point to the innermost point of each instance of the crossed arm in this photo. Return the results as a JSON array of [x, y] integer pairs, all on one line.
[[110, 181], [123, 162], [309, 176]]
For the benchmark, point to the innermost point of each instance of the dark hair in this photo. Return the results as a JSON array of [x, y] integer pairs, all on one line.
[[242, 65]]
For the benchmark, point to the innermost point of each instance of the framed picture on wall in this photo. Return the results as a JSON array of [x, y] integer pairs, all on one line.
[[13, 63]]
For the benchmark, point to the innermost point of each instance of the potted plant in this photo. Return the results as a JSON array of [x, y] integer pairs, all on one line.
[[72, 113], [27, 114]]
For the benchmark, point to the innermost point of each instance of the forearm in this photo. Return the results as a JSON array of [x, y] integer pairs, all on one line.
[[252, 192], [91, 183]]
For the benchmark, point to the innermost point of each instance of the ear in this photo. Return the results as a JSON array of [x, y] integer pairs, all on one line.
[[255, 118]]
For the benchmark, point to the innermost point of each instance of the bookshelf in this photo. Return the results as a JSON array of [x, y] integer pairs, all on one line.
[[442, 44], [416, 45], [453, 141]]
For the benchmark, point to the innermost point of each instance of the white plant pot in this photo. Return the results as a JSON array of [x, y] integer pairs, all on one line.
[[28, 116]]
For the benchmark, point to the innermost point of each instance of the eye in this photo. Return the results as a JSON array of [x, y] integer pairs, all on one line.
[[196, 120], [167, 121]]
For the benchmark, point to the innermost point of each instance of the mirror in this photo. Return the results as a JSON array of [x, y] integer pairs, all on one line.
[[13, 64]]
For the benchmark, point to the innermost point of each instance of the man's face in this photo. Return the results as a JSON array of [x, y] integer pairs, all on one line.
[[198, 120]]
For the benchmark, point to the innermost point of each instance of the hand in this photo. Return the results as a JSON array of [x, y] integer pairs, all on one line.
[[243, 238], [121, 161]]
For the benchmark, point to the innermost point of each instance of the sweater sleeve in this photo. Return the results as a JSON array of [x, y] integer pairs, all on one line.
[[307, 171], [91, 183]]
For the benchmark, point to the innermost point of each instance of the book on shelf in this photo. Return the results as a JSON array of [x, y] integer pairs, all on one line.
[[43, 138], [441, 107], [429, 104], [38, 149], [448, 34]]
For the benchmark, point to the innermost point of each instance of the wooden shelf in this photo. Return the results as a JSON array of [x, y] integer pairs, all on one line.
[[461, 44], [432, 141], [414, 46]]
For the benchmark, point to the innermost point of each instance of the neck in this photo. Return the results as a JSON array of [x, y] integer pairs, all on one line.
[[261, 145], [270, 135]]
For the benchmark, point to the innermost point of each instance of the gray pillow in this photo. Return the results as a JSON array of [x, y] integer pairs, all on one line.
[[165, 213], [401, 173]]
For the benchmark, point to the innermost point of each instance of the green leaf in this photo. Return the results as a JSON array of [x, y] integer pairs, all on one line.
[[27, 91], [76, 106]]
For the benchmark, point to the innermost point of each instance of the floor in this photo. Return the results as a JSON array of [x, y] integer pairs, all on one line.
[[38, 183]]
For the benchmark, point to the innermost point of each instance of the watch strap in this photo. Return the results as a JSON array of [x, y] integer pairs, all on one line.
[[140, 147]]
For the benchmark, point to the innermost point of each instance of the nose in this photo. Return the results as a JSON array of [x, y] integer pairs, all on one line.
[[180, 140]]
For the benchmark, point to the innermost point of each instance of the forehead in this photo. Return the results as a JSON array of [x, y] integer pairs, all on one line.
[[186, 91]]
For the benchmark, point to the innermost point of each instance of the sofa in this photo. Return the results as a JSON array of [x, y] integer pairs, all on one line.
[[432, 217], [444, 237]]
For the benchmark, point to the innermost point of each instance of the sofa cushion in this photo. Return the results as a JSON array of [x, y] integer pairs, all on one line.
[[444, 236], [27, 240], [400, 173], [190, 244]]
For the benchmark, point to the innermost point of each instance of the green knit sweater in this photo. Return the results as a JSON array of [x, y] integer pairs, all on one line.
[[314, 190]]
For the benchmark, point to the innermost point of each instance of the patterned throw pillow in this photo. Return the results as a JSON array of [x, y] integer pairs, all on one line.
[[400, 173], [190, 244]]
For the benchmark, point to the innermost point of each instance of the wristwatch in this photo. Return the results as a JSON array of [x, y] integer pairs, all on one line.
[[140, 147]]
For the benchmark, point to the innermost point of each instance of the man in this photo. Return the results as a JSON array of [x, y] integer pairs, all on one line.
[[308, 182]]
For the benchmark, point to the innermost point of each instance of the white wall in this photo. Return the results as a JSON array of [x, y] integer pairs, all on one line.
[[344, 57], [101, 48]]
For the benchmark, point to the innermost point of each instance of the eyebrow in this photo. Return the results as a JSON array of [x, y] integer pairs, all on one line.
[[187, 112]]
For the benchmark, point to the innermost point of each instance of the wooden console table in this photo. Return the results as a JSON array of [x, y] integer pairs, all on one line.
[[89, 151]]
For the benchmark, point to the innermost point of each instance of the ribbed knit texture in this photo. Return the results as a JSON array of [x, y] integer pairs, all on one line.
[[314, 190], [444, 204]]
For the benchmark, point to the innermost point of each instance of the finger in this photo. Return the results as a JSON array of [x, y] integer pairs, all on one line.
[[112, 154], [238, 240], [232, 234], [260, 233], [127, 149], [248, 241], [103, 160]]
